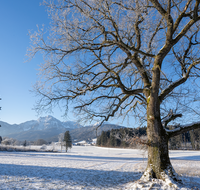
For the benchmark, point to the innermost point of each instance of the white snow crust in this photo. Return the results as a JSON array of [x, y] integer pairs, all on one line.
[[94, 168]]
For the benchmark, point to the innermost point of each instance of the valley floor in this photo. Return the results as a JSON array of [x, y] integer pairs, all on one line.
[[89, 167]]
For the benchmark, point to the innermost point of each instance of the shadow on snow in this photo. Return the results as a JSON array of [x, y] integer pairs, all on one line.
[[71, 175], [81, 157], [191, 158]]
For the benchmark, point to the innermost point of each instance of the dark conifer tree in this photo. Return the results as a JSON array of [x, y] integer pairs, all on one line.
[[24, 143], [192, 140], [68, 141], [112, 141], [103, 138]]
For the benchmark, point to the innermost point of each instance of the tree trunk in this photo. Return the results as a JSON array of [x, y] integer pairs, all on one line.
[[159, 165]]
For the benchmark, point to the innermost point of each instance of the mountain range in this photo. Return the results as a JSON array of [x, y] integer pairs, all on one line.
[[48, 128]]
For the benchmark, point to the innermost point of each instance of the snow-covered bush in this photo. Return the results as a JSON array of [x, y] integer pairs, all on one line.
[[8, 141], [40, 142], [43, 147]]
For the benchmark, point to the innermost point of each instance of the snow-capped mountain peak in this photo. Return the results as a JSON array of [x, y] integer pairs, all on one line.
[[42, 123], [48, 122], [99, 122]]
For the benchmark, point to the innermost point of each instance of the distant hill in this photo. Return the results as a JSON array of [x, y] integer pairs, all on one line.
[[89, 132], [48, 134], [48, 128]]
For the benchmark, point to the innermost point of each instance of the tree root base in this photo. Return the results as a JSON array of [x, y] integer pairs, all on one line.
[[168, 176], [154, 184]]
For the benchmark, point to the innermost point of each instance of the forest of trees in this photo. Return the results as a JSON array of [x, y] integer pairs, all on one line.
[[14, 142], [136, 137], [122, 137], [188, 140]]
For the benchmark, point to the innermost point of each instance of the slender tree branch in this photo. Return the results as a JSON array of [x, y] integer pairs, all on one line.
[[182, 15], [178, 82]]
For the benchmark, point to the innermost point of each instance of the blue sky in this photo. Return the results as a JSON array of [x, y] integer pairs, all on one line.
[[16, 75]]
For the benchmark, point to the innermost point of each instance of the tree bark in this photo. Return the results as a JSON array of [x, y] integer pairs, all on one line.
[[159, 165]]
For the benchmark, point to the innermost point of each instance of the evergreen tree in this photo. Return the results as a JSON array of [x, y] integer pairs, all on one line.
[[175, 142], [99, 140], [124, 144], [197, 138], [103, 138], [112, 141], [68, 141], [192, 140], [24, 143]]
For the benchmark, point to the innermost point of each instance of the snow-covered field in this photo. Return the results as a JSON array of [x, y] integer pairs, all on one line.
[[89, 167]]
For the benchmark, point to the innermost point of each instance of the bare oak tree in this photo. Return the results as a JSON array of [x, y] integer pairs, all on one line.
[[130, 58]]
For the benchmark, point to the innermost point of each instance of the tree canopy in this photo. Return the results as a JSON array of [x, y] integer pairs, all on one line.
[[138, 58], [102, 53]]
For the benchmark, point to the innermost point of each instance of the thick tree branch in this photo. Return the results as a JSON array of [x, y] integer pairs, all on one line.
[[170, 117], [185, 29], [182, 129]]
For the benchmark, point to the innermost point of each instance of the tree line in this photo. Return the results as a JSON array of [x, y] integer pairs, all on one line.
[[136, 137], [14, 142], [64, 139], [189, 140], [120, 137]]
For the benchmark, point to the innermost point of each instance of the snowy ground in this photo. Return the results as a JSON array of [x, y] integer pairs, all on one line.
[[90, 168]]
